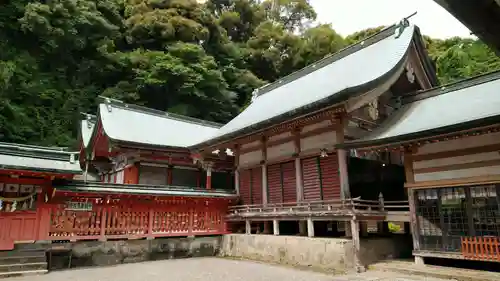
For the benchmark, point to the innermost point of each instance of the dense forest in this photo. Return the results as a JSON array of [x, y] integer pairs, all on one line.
[[197, 58]]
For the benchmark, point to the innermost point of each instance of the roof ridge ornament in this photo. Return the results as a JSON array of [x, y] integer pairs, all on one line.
[[255, 94], [107, 101], [402, 25]]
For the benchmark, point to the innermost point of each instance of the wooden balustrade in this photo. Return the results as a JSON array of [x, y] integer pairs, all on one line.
[[354, 205], [134, 220], [481, 248]]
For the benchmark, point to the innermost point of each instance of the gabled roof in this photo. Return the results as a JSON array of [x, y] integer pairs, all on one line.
[[39, 159], [87, 128], [464, 105], [351, 72], [139, 125]]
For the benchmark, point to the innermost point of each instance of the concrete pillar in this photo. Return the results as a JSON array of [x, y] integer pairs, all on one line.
[[363, 228], [237, 181], [302, 228], [356, 243], [264, 184], [419, 261], [276, 227], [298, 180], [248, 227], [310, 228]]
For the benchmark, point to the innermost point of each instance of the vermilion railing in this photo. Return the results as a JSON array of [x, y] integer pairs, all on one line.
[[132, 219], [481, 248]]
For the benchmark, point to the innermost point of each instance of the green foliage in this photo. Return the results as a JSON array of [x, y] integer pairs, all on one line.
[[198, 59]]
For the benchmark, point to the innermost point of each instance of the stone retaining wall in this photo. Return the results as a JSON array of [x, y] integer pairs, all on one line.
[[332, 254], [96, 253]]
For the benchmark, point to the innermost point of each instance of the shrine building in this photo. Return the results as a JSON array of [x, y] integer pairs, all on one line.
[[450, 137], [290, 177]]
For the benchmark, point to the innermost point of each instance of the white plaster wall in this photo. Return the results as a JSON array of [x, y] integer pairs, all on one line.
[[252, 157], [464, 159], [456, 144], [277, 151], [326, 140], [457, 174], [315, 126], [280, 136], [251, 144]]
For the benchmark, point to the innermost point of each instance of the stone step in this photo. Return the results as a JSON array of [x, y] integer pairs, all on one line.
[[31, 247], [20, 254], [23, 259], [432, 271], [22, 273], [20, 267]]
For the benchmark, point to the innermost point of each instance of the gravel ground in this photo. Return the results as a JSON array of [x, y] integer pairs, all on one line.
[[207, 269]]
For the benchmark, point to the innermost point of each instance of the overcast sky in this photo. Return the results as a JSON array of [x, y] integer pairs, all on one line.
[[348, 16]]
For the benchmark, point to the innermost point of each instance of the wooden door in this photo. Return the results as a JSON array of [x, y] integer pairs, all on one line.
[[274, 183], [289, 182], [17, 227], [330, 178], [257, 185], [246, 186], [311, 179]]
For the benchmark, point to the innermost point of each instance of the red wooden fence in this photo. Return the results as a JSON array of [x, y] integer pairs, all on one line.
[[135, 219], [481, 248]]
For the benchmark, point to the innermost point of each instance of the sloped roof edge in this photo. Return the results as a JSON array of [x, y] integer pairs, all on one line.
[[178, 137], [373, 141], [36, 158], [335, 98], [159, 113]]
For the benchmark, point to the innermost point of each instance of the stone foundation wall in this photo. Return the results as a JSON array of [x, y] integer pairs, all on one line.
[[332, 254], [95, 253]]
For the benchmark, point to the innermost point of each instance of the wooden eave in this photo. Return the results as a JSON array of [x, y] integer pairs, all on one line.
[[292, 125], [417, 142]]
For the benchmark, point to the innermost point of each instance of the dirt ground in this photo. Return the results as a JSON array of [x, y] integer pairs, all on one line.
[[208, 269]]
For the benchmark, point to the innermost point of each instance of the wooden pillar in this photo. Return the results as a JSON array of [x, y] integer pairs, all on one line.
[[302, 228], [103, 224], [345, 192], [310, 227], [356, 243], [363, 228], [410, 178], [470, 218], [237, 181], [264, 171], [236, 170], [382, 226], [298, 180], [248, 227], [276, 227], [150, 222], [169, 175], [264, 184], [298, 167], [209, 176]]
